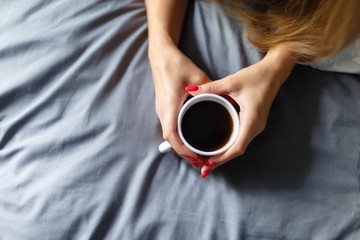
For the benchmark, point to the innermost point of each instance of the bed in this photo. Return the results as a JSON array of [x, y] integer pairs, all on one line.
[[79, 135]]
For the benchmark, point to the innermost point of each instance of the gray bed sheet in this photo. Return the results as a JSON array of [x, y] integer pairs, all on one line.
[[79, 135]]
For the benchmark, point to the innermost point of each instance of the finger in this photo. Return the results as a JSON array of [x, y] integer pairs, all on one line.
[[178, 146], [169, 129], [250, 126], [168, 118], [207, 168], [170, 134], [219, 87]]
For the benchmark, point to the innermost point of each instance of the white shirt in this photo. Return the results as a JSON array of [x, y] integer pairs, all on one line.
[[347, 60]]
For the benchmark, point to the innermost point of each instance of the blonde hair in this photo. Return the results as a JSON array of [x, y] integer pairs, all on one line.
[[314, 29]]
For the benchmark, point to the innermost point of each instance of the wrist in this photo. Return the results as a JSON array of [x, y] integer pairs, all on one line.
[[163, 52], [280, 61], [159, 38], [161, 48]]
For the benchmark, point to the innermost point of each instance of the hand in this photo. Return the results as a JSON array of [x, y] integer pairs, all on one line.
[[172, 71], [254, 89]]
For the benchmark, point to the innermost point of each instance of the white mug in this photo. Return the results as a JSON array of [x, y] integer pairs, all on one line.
[[165, 146]]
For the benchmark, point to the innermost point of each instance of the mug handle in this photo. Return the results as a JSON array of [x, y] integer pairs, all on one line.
[[164, 147]]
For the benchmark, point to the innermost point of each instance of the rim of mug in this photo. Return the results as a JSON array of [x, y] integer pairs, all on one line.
[[218, 99]]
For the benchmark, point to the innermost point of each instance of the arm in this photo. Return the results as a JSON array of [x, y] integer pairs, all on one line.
[[165, 20], [171, 69], [281, 60]]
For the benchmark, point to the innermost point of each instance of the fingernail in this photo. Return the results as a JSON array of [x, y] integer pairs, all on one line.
[[192, 159], [204, 175], [201, 164], [195, 165], [191, 88], [210, 164]]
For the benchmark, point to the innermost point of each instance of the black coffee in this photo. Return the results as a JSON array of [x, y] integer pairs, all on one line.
[[207, 126]]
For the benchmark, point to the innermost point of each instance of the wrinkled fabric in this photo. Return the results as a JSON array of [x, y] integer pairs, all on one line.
[[79, 135]]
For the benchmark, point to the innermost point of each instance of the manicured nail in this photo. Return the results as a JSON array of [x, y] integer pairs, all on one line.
[[201, 164], [204, 175], [210, 164], [192, 159], [195, 165], [191, 88]]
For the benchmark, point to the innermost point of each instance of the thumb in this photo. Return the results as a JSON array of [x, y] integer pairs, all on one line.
[[219, 87]]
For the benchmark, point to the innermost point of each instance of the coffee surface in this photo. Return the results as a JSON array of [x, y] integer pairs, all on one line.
[[207, 126]]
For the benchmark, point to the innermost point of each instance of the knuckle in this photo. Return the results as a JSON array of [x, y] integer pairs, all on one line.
[[221, 162], [262, 126], [209, 87], [240, 150], [166, 135], [181, 153]]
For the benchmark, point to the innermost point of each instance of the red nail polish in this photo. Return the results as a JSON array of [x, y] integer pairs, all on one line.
[[195, 165], [210, 164], [191, 88], [204, 175], [192, 159], [201, 164]]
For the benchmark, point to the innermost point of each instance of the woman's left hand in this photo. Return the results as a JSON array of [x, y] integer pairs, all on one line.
[[254, 89]]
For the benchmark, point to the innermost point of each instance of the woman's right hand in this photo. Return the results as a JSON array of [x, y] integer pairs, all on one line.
[[172, 72]]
